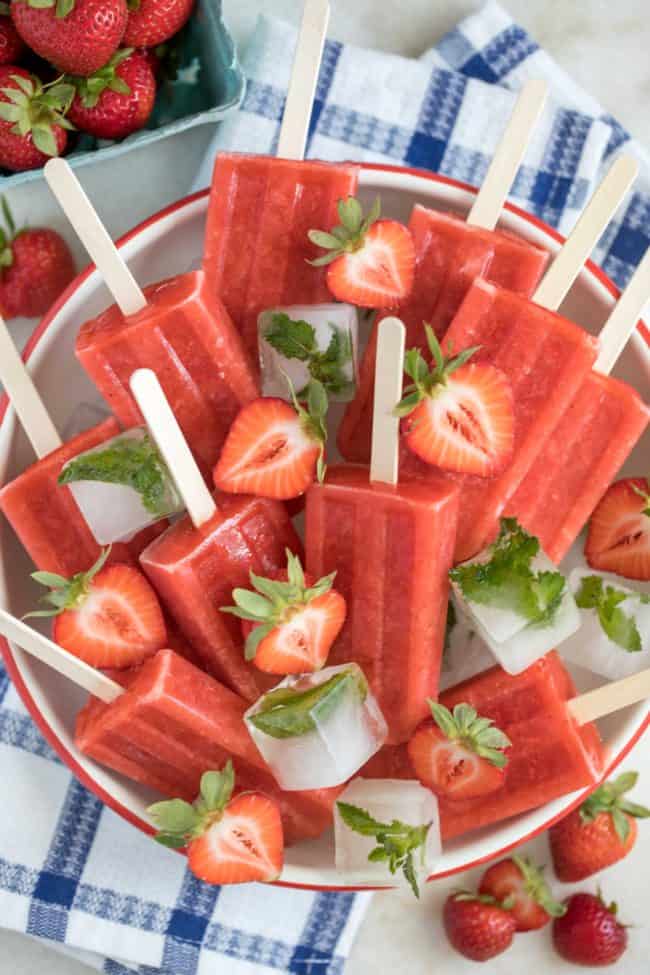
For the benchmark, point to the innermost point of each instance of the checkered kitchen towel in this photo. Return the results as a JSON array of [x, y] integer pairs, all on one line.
[[70, 870], [445, 112]]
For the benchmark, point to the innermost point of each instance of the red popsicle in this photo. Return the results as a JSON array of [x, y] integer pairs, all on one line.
[[391, 545]]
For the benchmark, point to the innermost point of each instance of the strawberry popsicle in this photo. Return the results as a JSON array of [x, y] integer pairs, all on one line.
[[172, 724], [391, 545], [177, 327], [450, 254], [256, 247], [591, 441], [195, 564], [550, 754]]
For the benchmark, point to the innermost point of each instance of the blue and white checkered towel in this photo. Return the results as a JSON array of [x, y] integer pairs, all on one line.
[[70, 870]]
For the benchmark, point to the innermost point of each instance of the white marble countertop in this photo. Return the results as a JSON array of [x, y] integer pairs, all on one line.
[[605, 47]]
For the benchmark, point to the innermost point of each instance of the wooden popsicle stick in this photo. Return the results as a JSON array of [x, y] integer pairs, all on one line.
[[389, 378], [610, 698], [508, 156], [171, 443], [602, 206], [29, 407], [304, 78], [58, 659], [622, 323], [94, 236]]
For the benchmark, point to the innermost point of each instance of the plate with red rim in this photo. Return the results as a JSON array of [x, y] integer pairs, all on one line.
[[53, 702]]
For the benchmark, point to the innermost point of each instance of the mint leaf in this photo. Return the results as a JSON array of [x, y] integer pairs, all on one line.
[[615, 622], [397, 841], [287, 713], [292, 339], [507, 581], [133, 462]]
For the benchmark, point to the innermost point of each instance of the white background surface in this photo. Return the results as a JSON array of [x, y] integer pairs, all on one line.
[[605, 47]]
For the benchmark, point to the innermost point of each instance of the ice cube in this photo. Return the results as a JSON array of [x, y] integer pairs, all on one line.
[[386, 800], [327, 321], [116, 512], [318, 741], [592, 648], [466, 654], [515, 642]]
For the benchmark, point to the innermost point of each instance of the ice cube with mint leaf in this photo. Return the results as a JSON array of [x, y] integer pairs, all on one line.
[[387, 831], [122, 486], [316, 730], [614, 639], [515, 598], [306, 342]]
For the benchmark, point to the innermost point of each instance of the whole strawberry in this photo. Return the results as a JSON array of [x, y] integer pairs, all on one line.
[[477, 926], [589, 933], [35, 267], [77, 36], [11, 44], [33, 125], [601, 832], [153, 21], [519, 885], [118, 99]]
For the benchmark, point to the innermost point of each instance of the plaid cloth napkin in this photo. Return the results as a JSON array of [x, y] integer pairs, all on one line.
[[70, 870]]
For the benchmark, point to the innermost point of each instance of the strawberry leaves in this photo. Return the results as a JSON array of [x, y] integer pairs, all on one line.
[[536, 887], [92, 88], [348, 236], [609, 798], [63, 7], [507, 581], [477, 734], [180, 822], [36, 109], [274, 602], [397, 842], [427, 379], [615, 622], [66, 593]]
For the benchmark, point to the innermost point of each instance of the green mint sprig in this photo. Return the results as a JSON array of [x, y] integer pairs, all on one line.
[[621, 628], [479, 735], [349, 235], [274, 602], [396, 842], [609, 798], [296, 339], [506, 580], [179, 822], [427, 380], [132, 461], [289, 713], [313, 417]]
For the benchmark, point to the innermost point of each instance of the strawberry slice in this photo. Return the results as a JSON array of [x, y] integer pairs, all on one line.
[[229, 841], [290, 621], [275, 449], [109, 616], [459, 755], [521, 888], [619, 531], [458, 415], [372, 261]]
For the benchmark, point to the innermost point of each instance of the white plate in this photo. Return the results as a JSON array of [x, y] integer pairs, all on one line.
[[52, 701]]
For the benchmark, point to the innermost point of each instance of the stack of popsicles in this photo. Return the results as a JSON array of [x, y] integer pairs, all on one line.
[[181, 357]]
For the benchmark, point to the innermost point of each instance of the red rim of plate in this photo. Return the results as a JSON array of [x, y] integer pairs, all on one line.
[[47, 732]]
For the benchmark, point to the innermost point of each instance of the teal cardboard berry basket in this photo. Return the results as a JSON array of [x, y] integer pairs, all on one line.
[[208, 84]]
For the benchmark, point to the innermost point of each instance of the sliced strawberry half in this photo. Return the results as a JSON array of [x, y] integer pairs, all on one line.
[[371, 261], [290, 621], [619, 531], [459, 755], [229, 841], [275, 449], [521, 888], [109, 616], [458, 415]]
